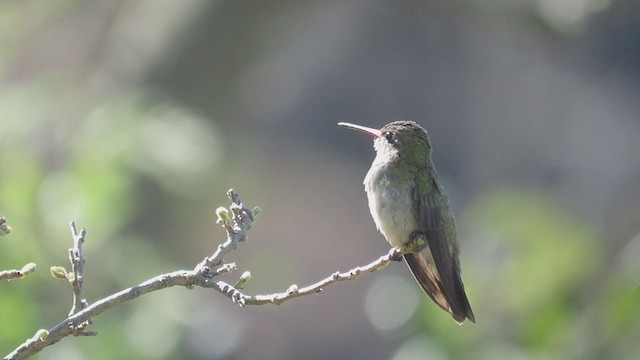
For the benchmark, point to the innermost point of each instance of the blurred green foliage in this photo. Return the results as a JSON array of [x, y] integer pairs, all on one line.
[[544, 288], [93, 171]]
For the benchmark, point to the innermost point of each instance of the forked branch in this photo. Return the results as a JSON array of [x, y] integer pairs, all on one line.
[[236, 221]]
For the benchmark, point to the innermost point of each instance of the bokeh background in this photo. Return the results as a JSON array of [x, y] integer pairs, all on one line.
[[134, 117]]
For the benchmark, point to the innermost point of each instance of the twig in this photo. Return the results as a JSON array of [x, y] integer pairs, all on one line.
[[76, 259], [236, 227], [17, 274], [12, 274], [236, 221], [76, 278], [293, 291]]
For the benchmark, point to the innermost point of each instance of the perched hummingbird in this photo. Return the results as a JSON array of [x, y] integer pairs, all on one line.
[[410, 208]]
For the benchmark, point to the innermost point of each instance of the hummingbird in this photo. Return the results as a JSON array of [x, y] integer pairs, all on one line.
[[410, 208]]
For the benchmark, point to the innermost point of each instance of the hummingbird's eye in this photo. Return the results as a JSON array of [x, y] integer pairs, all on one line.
[[390, 137]]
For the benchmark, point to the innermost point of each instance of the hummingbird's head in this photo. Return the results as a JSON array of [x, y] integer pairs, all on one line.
[[403, 140]]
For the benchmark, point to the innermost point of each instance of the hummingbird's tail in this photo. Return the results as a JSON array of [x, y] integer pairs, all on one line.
[[448, 293]]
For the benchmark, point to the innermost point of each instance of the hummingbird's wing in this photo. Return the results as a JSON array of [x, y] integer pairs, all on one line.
[[436, 267]]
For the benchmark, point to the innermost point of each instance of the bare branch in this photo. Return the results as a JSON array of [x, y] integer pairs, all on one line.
[[293, 291], [76, 259], [236, 221], [76, 278], [236, 227]]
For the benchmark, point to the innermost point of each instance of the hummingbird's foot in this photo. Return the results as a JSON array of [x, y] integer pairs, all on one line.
[[395, 254], [417, 242]]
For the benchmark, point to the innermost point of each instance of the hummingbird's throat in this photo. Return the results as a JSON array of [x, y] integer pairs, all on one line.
[[417, 242]]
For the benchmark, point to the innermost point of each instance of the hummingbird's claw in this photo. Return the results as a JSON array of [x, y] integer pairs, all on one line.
[[417, 242], [395, 254]]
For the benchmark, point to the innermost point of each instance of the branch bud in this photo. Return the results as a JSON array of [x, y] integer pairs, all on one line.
[[293, 289], [255, 212], [27, 269], [41, 335], [244, 278], [223, 216], [58, 272], [4, 228]]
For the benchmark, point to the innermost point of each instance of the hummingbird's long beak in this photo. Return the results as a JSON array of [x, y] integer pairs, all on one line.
[[367, 130]]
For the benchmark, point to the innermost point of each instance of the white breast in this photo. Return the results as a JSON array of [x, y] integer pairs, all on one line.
[[390, 208]]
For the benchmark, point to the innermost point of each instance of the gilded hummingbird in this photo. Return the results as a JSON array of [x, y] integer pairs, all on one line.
[[410, 208]]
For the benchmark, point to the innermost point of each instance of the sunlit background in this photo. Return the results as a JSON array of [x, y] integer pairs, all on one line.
[[134, 117]]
